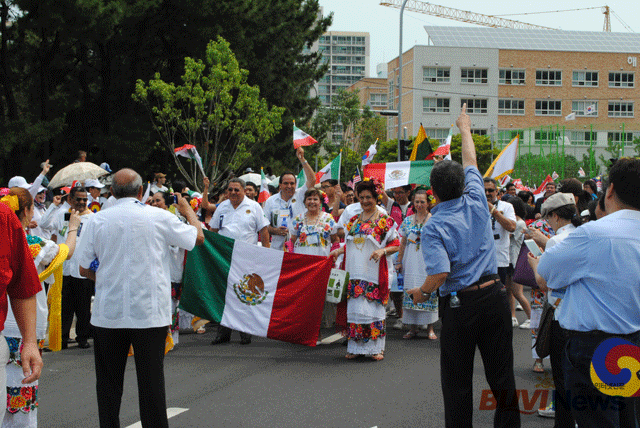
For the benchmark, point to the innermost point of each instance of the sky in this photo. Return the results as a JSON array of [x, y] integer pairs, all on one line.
[[382, 22]]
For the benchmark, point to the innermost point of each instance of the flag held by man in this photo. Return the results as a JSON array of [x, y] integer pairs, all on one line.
[[301, 138], [257, 290]]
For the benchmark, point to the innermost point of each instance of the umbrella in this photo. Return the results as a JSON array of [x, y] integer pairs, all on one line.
[[252, 177], [80, 171]]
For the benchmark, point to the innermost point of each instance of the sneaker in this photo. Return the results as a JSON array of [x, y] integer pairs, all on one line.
[[525, 325], [519, 307], [514, 322], [549, 412], [398, 325]]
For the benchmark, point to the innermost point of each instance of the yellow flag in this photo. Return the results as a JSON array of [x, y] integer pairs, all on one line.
[[422, 135]]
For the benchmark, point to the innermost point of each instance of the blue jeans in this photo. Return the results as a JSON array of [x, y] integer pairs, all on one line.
[[590, 407]]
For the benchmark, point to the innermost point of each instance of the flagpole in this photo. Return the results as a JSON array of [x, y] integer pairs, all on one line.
[[339, 167]]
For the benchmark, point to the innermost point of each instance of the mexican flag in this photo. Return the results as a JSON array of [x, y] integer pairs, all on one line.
[[257, 290], [331, 171], [395, 174], [264, 188], [301, 138], [189, 151]]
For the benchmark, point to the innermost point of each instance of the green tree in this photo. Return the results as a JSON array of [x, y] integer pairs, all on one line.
[[484, 153], [533, 169], [215, 109], [636, 144], [371, 127]]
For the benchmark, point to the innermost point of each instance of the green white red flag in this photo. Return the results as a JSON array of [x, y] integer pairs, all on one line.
[[256, 290], [395, 174], [301, 138], [190, 151], [331, 171], [264, 188]]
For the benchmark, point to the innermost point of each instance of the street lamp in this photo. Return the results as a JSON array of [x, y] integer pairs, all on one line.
[[400, 81]]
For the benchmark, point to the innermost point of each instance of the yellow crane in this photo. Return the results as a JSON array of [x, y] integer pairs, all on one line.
[[496, 21]]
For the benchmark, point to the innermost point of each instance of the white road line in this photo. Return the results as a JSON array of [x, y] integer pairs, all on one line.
[[331, 339], [171, 412]]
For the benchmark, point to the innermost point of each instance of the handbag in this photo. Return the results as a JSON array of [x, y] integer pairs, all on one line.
[[543, 339], [522, 273], [337, 286]]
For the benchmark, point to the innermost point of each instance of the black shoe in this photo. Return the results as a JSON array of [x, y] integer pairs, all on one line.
[[64, 345], [219, 340], [245, 341], [84, 345]]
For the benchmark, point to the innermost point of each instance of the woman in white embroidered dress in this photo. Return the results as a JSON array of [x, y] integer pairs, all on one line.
[[411, 264], [22, 399], [371, 238]]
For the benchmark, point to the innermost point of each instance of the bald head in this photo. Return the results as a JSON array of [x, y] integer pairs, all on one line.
[[126, 184]]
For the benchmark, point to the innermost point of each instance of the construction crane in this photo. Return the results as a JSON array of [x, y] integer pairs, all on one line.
[[495, 21]]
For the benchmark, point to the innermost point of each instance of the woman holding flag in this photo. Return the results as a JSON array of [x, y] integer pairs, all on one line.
[[371, 238]]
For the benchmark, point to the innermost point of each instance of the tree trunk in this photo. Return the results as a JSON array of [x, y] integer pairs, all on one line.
[[5, 69]]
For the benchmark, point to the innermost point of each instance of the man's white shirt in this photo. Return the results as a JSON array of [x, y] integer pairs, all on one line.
[[278, 210], [242, 223], [503, 244], [132, 244]]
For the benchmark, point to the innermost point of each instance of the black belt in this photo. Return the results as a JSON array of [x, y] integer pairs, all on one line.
[[597, 333], [484, 282]]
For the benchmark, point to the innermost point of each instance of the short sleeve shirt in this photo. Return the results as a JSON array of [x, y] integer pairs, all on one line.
[[18, 275], [502, 242], [458, 239], [280, 212], [132, 243], [243, 222], [316, 234]]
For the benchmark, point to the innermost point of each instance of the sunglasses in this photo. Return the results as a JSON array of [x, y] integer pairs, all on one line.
[[82, 199], [489, 190], [234, 190]]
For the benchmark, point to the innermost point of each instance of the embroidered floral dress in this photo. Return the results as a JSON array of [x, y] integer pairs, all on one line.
[[368, 289], [314, 237], [22, 400], [413, 269]]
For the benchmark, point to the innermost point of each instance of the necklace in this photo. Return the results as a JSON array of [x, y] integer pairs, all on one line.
[[306, 223], [359, 241], [419, 227]]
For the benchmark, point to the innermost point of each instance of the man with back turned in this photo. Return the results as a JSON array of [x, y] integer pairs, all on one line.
[[460, 256]]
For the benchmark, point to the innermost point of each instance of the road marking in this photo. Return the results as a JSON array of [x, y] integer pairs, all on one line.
[[331, 339], [171, 412]]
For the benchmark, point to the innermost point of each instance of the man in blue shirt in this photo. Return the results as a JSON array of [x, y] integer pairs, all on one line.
[[599, 267], [460, 255]]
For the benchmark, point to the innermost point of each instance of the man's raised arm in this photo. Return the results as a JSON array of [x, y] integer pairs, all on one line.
[[468, 148]]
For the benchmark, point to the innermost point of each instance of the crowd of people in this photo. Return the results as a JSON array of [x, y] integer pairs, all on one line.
[[110, 253]]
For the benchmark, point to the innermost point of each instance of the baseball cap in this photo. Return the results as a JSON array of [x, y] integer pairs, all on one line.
[[18, 181], [106, 167], [92, 182], [556, 201]]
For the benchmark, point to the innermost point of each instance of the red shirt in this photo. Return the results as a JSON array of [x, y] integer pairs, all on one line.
[[18, 275]]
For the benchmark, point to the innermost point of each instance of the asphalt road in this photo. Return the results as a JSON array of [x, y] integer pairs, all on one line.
[[275, 384]]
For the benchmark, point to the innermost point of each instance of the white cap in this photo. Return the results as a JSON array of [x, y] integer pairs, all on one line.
[[18, 181], [41, 189], [92, 182]]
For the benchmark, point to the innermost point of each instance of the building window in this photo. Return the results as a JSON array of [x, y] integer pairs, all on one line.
[[619, 137], [378, 100], [547, 137], [548, 77], [475, 105], [620, 109], [473, 75], [436, 75], [435, 105], [508, 106], [323, 89], [506, 135], [580, 107], [324, 99], [621, 80], [357, 70], [341, 69], [584, 78], [439, 134], [324, 40], [582, 138], [479, 131], [511, 77], [548, 108], [357, 60]]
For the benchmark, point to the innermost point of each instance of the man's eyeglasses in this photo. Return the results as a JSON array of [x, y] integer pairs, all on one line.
[[489, 190], [82, 199]]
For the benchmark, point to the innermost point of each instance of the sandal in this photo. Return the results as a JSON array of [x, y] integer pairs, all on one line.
[[410, 335], [538, 367], [432, 336], [351, 356], [201, 330], [378, 357]]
